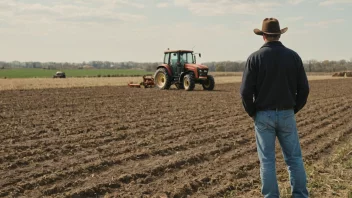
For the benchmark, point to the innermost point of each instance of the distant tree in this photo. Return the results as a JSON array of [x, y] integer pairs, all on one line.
[[342, 62], [309, 65], [220, 67]]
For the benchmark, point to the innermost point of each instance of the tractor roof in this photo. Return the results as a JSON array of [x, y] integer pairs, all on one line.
[[168, 51]]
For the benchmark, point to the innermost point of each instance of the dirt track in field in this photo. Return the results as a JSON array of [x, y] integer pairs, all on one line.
[[43, 83], [125, 142]]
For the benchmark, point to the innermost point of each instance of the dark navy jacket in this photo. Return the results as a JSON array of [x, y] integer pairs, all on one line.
[[274, 77]]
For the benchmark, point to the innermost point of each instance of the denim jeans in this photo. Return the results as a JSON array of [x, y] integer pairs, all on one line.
[[281, 124]]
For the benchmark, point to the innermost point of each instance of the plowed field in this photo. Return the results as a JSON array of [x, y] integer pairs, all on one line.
[[125, 142]]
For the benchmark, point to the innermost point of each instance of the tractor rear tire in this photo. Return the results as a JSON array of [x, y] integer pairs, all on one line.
[[162, 79], [209, 83], [188, 82]]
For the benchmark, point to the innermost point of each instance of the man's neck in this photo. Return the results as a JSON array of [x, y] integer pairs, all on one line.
[[267, 41]]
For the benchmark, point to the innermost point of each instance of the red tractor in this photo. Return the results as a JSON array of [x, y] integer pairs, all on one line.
[[180, 68]]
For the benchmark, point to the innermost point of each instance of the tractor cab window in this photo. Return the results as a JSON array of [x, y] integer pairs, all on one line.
[[183, 58], [166, 58], [186, 57], [190, 58], [173, 58]]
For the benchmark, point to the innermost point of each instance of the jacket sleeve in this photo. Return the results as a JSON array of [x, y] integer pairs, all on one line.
[[248, 87], [302, 88]]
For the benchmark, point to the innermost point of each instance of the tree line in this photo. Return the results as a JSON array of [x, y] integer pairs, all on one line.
[[309, 66], [219, 66], [83, 65]]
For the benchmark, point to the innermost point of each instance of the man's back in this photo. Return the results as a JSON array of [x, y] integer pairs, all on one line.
[[279, 77]]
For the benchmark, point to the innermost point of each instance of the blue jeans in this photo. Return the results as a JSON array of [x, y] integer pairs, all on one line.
[[281, 124]]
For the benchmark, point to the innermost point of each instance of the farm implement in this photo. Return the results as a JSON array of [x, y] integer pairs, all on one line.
[[148, 82]]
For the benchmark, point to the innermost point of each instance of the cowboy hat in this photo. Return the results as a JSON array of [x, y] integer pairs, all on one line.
[[270, 26]]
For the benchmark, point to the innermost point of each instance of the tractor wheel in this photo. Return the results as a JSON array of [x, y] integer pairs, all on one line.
[[188, 82], [162, 79], [179, 86], [209, 83]]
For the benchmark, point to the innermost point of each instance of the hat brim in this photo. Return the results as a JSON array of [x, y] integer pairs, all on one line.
[[259, 32]]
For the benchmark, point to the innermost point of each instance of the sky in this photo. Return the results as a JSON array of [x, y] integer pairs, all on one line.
[[140, 30]]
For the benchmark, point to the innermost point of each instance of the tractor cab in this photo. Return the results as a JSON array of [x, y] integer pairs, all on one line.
[[180, 68], [177, 60]]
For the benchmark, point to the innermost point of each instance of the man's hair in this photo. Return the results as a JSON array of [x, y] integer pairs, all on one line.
[[272, 37]]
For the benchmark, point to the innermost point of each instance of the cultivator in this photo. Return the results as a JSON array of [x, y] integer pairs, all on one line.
[[148, 82]]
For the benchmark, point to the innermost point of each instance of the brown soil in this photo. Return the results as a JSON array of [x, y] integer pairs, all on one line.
[[343, 74], [125, 142]]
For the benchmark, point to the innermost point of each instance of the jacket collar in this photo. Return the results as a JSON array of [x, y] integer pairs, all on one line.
[[272, 44]]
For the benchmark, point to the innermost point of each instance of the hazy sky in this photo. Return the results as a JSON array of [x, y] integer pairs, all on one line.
[[140, 30]]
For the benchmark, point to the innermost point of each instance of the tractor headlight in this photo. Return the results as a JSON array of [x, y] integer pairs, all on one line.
[[202, 72]]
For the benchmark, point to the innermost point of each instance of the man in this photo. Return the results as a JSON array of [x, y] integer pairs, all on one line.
[[275, 87]]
